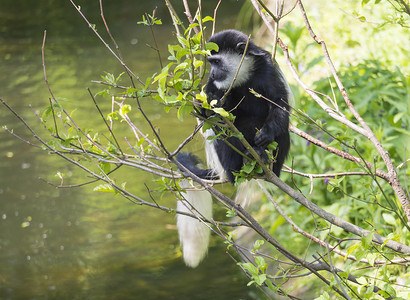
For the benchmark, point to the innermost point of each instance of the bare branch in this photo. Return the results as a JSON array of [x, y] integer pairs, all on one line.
[[189, 16], [215, 11], [394, 180], [338, 152], [106, 45]]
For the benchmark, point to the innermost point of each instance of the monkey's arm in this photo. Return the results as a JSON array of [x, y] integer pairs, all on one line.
[[276, 124], [191, 162]]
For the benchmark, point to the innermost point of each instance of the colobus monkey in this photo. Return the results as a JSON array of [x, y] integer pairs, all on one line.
[[259, 120]]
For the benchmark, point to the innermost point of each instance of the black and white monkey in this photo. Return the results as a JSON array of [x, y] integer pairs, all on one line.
[[259, 120]]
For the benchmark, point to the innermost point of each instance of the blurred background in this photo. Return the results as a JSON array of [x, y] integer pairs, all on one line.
[[75, 243]]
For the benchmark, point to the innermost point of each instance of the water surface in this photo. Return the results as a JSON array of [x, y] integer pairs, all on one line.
[[75, 243]]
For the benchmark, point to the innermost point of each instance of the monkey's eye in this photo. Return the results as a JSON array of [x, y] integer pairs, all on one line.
[[214, 61]]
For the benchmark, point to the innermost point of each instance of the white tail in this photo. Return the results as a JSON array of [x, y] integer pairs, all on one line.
[[248, 192], [193, 233]]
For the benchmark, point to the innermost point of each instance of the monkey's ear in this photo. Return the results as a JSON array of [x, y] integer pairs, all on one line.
[[240, 47]]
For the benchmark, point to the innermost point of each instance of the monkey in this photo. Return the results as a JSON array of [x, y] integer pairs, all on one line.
[[260, 121]]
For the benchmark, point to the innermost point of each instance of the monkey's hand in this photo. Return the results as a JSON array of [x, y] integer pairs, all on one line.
[[261, 152], [264, 138]]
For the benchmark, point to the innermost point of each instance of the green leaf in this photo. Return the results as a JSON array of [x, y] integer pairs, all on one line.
[[250, 268], [211, 47], [351, 249], [362, 281], [105, 187], [182, 65], [190, 27], [207, 18], [389, 219], [273, 145], [371, 257], [271, 286], [221, 111], [131, 91], [258, 244], [46, 112], [183, 41], [112, 116], [399, 116], [201, 96], [63, 99], [183, 110], [390, 290], [360, 253], [102, 93], [198, 63], [367, 240], [213, 103], [125, 109], [254, 271], [260, 262], [230, 213], [105, 167], [330, 187], [171, 99], [260, 279], [324, 296], [249, 166], [250, 283]]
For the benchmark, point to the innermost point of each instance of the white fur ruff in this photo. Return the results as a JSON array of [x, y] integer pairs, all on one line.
[[233, 60], [212, 159], [193, 233]]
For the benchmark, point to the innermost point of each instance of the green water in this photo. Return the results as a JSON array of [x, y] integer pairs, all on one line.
[[75, 243]]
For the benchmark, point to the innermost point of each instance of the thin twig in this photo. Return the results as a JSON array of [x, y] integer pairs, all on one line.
[[394, 179], [105, 122], [188, 139], [175, 19], [222, 100], [188, 15], [338, 152], [214, 22], [19, 137], [106, 45], [108, 30], [151, 26]]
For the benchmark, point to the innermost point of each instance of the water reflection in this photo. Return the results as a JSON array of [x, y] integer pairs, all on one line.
[[75, 243]]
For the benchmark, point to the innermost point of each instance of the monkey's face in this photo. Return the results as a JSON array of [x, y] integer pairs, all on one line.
[[224, 67]]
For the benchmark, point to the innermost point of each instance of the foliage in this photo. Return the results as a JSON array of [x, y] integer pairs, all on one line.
[[353, 31], [381, 96]]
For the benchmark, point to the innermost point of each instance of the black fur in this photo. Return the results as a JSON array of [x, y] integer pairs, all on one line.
[[260, 121], [190, 161]]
